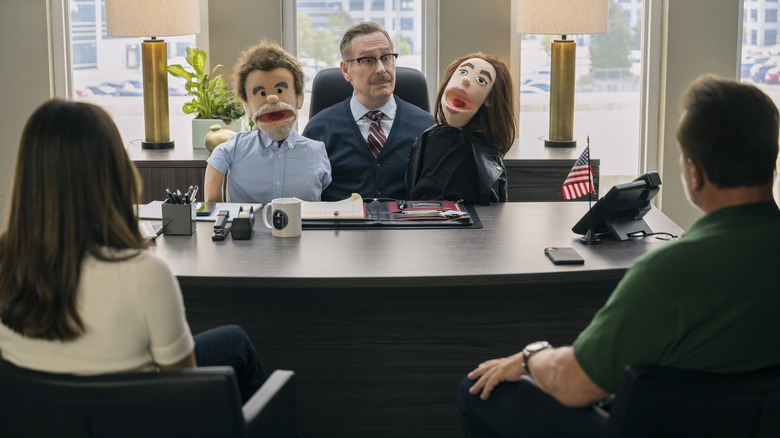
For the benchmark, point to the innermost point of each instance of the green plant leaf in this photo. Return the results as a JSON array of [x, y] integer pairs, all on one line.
[[211, 98], [199, 61], [179, 72], [189, 108]]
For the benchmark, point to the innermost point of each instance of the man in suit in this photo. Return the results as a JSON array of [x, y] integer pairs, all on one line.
[[706, 302], [369, 135]]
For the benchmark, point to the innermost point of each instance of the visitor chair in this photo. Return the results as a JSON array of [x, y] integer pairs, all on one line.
[[663, 402], [199, 402], [655, 402]]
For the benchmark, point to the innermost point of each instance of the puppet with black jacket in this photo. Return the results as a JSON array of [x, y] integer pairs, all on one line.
[[461, 156]]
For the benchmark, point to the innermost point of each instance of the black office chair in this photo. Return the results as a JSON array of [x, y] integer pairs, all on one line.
[[329, 88], [662, 402], [186, 403]]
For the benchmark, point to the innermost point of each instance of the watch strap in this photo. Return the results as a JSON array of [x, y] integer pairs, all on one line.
[[530, 350]]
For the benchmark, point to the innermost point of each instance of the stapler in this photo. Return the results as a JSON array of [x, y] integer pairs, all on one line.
[[221, 227]]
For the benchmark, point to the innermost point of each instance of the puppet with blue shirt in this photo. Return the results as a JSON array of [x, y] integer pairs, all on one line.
[[273, 160]]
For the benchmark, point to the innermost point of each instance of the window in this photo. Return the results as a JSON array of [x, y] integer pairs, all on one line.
[[319, 35], [760, 58], [107, 71], [608, 87]]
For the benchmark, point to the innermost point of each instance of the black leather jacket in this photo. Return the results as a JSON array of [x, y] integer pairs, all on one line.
[[491, 171]]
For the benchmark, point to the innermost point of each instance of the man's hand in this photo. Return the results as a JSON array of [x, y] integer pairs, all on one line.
[[495, 371]]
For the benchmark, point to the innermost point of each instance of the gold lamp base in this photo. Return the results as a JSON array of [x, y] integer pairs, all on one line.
[[563, 55], [154, 55]]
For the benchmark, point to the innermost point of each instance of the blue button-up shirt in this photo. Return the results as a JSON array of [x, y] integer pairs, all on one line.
[[260, 170]]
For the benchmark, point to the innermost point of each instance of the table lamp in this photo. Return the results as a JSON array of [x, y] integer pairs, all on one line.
[[562, 17], [153, 18]]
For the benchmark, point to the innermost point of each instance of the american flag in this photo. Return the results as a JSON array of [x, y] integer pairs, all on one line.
[[578, 182]]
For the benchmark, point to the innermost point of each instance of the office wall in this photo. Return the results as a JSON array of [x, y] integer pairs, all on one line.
[[236, 25], [701, 37], [25, 72], [466, 27]]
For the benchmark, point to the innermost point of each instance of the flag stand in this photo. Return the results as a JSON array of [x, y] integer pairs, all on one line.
[[590, 238]]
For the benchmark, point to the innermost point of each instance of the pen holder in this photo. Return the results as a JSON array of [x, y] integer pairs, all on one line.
[[178, 219], [243, 223]]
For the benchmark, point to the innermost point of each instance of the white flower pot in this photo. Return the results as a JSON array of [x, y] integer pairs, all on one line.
[[201, 128]]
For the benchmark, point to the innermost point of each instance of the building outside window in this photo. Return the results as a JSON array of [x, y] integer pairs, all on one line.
[[761, 59]]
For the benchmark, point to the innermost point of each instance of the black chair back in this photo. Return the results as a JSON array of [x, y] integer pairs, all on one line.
[[193, 402], [329, 88], [661, 402]]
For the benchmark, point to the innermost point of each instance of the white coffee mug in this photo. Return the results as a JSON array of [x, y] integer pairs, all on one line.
[[285, 217]]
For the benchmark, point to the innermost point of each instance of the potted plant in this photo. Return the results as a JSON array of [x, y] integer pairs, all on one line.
[[212, 102]]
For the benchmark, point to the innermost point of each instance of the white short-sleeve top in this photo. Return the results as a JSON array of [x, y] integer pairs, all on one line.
[[133, 314]]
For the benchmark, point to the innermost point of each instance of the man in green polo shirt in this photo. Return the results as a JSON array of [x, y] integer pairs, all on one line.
[[706, 302]]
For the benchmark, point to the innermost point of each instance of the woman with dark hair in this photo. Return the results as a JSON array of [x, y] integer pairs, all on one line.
[[78, 292], [461, 156]]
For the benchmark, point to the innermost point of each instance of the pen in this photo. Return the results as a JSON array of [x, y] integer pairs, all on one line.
[[194, 192], [170, 195], [187, 195]]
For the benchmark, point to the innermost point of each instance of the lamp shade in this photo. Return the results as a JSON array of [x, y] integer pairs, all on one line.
[[562, 17], [146, 18]]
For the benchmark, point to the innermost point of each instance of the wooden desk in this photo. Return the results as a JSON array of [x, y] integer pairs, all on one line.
[[535, 173], [380, 325]]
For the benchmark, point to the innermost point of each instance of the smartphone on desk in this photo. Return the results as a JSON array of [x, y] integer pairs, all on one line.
[[204, 208], [563, 256]]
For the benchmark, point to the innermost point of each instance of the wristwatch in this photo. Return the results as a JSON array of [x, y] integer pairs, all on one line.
[[531, 349]]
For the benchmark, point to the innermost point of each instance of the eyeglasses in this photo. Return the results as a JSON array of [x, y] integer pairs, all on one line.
[[369, 62]]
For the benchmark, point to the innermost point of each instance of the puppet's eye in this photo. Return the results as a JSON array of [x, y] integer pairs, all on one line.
[[463, 71], [279, 90], [482, 81], [263, 93]]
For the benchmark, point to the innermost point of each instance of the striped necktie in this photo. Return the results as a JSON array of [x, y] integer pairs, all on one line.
[[376, 136]]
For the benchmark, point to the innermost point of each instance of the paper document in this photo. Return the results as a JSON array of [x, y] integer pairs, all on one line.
[[350, 208]]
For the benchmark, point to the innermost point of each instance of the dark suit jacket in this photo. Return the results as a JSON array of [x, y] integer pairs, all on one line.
[[353, 167]]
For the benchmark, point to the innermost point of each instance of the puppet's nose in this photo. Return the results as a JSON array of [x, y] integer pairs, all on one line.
[[466, 81], [273, 98]]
